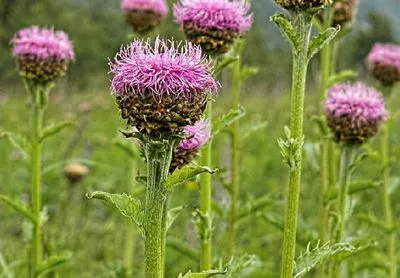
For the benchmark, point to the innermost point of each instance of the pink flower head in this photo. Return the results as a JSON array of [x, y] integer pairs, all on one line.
[[42, 44], [156, 6], [354, 111], [214, 14], [383, 62], [167, 68], [197, 135]]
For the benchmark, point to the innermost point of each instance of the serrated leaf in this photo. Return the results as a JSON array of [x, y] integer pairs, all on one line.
[[54, 129], [124, 204], [129, 147], [51, 263], [312, 258], [172, 215], [19, 207], [18, 141], [247, 72], [342, 76], [204, 274], [227, 120], [180, 176], [321, 40], [288, 31], [242, 266], [224, 62]]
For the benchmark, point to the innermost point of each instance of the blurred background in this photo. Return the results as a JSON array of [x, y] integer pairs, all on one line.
[[94, 234]]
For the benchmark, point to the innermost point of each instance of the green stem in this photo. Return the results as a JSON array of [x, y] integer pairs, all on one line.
[[235, 167], [387, 202], [300, 65], [158, 157], [164, 236], [38, 109], [346, 159], [206, 199]]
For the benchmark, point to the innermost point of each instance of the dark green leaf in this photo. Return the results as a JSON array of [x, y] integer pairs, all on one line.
[[54, 129], [321, 40], [180, 176], [227, 120], [288, 31], [19, 207]]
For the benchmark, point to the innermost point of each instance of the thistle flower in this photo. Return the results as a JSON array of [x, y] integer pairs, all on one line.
[[161, 89], [383, 62], [75, 172], [213, 24], [197, 135], [144, 15], [354, 112], [42, 54], [302, 4], [344, 12]]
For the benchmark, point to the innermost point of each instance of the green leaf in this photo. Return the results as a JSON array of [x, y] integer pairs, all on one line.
[[288, 31], [182, 248], [182, 175], [247, 72], [51, 263], [172, 215], [19, 207], [373, 221], [321, 40], [20, 142], [227, 120], [5, 269], [342, 76], [54, 129], [204, 274], [129, 147], [250, 130], [254, 207], [355, 187], [224, 62], [313, 257], [242, 266], [291, 149], [122, 203]]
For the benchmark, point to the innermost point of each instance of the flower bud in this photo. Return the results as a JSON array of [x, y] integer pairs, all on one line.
[[383, 63], [75, 172], [302, 4]]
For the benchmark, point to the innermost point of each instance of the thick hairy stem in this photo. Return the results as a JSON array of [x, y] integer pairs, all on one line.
[[158, 162], [206, 199], [300, 64], [37, 124], [387, 202], [235, 171], [346, 159], [164, 236]]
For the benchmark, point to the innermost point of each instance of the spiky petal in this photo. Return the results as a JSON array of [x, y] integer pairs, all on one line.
[[383, 62], [213, 24], [42, 54], [354, 112], [161, 89], [144, 15]]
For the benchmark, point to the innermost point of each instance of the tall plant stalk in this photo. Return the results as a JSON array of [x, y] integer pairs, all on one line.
[[206, 201], [300, 65], [235, 165]]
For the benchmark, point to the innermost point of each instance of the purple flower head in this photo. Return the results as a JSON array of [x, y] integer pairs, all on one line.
[[383, 62], [42, 54], [213, 24], [197, 135], [168, 68], [161, 89], [156, 6], [214, 14], [42, 44], [354, 112]]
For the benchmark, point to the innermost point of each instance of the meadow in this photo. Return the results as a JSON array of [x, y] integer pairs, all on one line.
[[88, 239]]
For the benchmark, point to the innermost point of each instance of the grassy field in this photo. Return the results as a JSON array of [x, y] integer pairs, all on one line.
[[95, 235]]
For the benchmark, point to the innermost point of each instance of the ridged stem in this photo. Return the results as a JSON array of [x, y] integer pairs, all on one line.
[[235, 165], [206, 199], [300, 65], [158, 157]]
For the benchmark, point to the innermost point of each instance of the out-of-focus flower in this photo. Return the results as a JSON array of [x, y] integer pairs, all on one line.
[[42, 54], [161, 89], [144, 15], [302, 4], [344, 12], [354, 112], [197, 135], [213, 24], [383, 62], [75, 172]]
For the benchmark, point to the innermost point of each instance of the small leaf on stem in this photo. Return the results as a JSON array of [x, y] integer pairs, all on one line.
[[180, 176], [321, 40], [172, 215], [204, 274], [19, 207], [54, 129], [227, 120], [20, 142], [288, 31]]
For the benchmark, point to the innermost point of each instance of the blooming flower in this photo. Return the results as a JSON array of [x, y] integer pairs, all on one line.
[[161, 89], [383, 62], [42, 54], [213, 24], [354, 112], [144, 15], [197, 135], [302, 4]]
